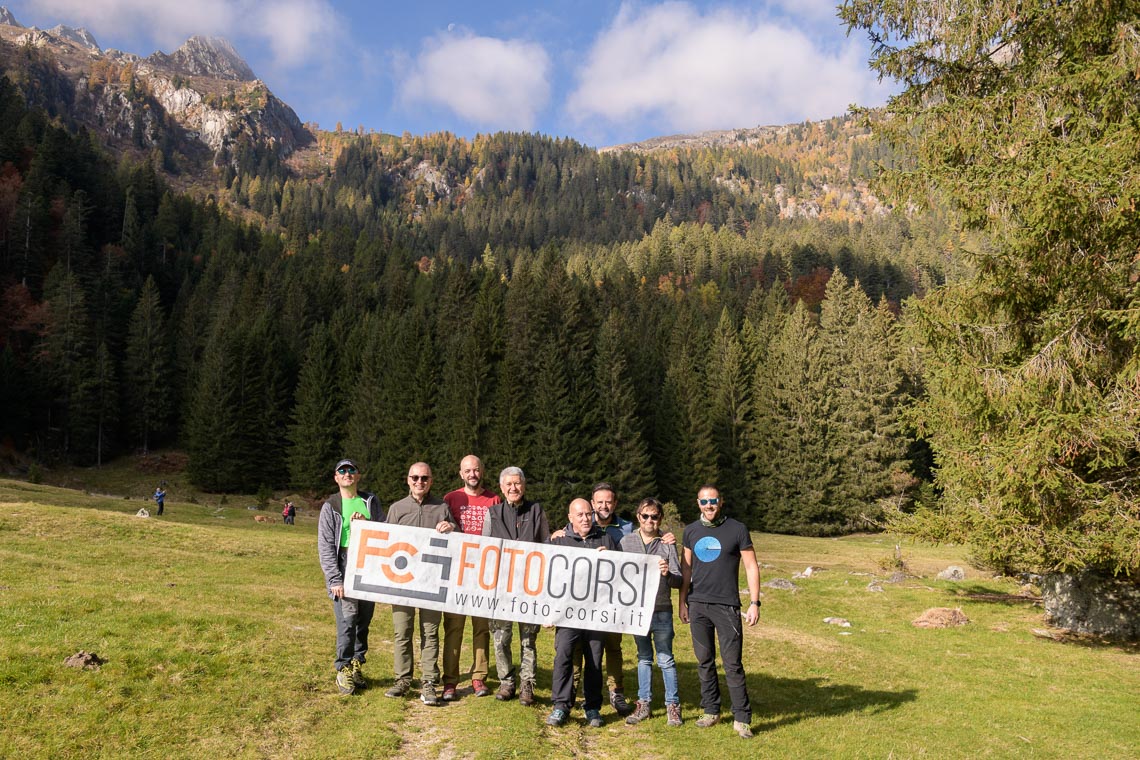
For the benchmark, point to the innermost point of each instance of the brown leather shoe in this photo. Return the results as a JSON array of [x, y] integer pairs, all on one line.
[[640, 713], [506, 691], [526, 694]]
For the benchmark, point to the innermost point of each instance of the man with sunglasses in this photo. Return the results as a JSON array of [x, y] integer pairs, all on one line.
[[353, 616], [419, 509], [647, 540], [714, 547]]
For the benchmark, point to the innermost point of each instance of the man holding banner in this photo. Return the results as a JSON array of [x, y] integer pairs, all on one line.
[[518, 520], [581, 533], [419, 509], [353, 616], [468, 506]]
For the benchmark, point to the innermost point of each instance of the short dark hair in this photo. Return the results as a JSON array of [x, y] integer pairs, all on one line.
[[603, 486], [649, 501]]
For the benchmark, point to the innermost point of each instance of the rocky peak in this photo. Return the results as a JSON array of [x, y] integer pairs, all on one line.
[[206, 57], [79, 36], [6, 17]]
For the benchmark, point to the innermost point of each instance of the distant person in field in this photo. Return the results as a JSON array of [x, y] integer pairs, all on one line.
[[468, 506], [353, 616], [288, 512], [419, 509], [714, 547], [519, 520], [647, 540], [160, 499], [583, 533]]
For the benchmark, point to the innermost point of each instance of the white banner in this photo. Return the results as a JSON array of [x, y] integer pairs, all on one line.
[[500, 579]]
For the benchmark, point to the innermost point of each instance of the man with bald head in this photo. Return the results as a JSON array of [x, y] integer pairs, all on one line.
[[583, 533], [419, 509], [468, 506]]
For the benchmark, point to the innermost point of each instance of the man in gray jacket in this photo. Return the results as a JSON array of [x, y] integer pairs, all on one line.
[[647, 540], [419, 509], [353, 616]]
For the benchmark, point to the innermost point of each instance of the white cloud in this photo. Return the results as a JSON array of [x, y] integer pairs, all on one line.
[[295, 31], [490, 82], [688, 71]]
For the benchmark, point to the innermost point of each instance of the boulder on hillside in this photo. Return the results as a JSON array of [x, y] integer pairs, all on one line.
[[952, 573]]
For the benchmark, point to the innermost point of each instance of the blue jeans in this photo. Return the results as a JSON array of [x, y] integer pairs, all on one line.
[[660, 638]]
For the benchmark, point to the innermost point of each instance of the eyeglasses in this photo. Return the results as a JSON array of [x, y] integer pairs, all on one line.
[[708, 502], [346, 470], [656, 518], [418, 478]]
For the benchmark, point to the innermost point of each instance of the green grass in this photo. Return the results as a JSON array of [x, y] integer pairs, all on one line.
[[218, 639]]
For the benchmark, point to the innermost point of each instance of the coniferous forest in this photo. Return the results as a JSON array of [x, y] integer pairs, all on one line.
[[922, 317], [583, 315]]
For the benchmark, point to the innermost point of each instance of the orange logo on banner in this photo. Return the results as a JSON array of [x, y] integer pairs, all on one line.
[[400, 562]]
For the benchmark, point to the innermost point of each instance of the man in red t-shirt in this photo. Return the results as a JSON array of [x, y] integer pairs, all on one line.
[[468, 506]]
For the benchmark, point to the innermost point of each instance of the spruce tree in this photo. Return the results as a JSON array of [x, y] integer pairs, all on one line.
[[147, 380], [316, 435]]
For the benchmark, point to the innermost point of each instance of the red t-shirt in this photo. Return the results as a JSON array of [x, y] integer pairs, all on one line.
[[469, 511]]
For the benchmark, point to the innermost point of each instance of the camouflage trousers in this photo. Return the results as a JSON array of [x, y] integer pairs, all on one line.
[[502, 633]]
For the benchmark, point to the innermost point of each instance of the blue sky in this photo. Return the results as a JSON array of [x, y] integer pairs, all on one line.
[[601, 72]]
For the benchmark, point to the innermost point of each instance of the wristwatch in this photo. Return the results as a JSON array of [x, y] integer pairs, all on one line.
[[755, 603]]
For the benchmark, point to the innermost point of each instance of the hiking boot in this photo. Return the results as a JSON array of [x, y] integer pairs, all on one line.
[[526, 693], [449, 694], [640, 713], [506, 691], [427, 694], [674, 713], [480, 688], [593, 719], [344, 680], [708, 719], [358, 674], [399, 689], [617, 701], [743, 730], [557, 717]]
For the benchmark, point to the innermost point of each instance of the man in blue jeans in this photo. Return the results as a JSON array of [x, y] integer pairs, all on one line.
[[715, 546], [647, 540]]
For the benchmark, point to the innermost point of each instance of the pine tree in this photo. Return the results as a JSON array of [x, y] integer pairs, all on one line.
[[1025, 119], [148, 365], [319, 414], [622, 456]]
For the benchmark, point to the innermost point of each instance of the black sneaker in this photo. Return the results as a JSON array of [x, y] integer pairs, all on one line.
[[617, 701], [399, 689]]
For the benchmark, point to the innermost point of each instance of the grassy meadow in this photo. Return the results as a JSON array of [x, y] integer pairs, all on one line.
[[218, 639]]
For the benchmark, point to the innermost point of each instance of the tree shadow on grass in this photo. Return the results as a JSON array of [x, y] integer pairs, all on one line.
[[977, 592], [780, 702]]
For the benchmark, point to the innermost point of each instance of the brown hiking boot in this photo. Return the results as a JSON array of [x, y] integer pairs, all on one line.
[[640, 713], [506, 691], [526, 693], [674, 713]]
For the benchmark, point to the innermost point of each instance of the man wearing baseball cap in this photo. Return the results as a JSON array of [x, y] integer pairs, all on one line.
[[353, 616]]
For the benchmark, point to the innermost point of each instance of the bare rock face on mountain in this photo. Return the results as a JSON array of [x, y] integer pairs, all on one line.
[[201, 99], [206, 57], [79, 36]]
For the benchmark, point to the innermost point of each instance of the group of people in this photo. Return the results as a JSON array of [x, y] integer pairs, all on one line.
[[706, 574]]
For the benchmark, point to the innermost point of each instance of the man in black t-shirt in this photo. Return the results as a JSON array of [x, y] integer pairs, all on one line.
[[714, 547]]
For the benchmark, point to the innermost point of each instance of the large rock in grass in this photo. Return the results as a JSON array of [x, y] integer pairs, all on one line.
[[1088, 602]]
